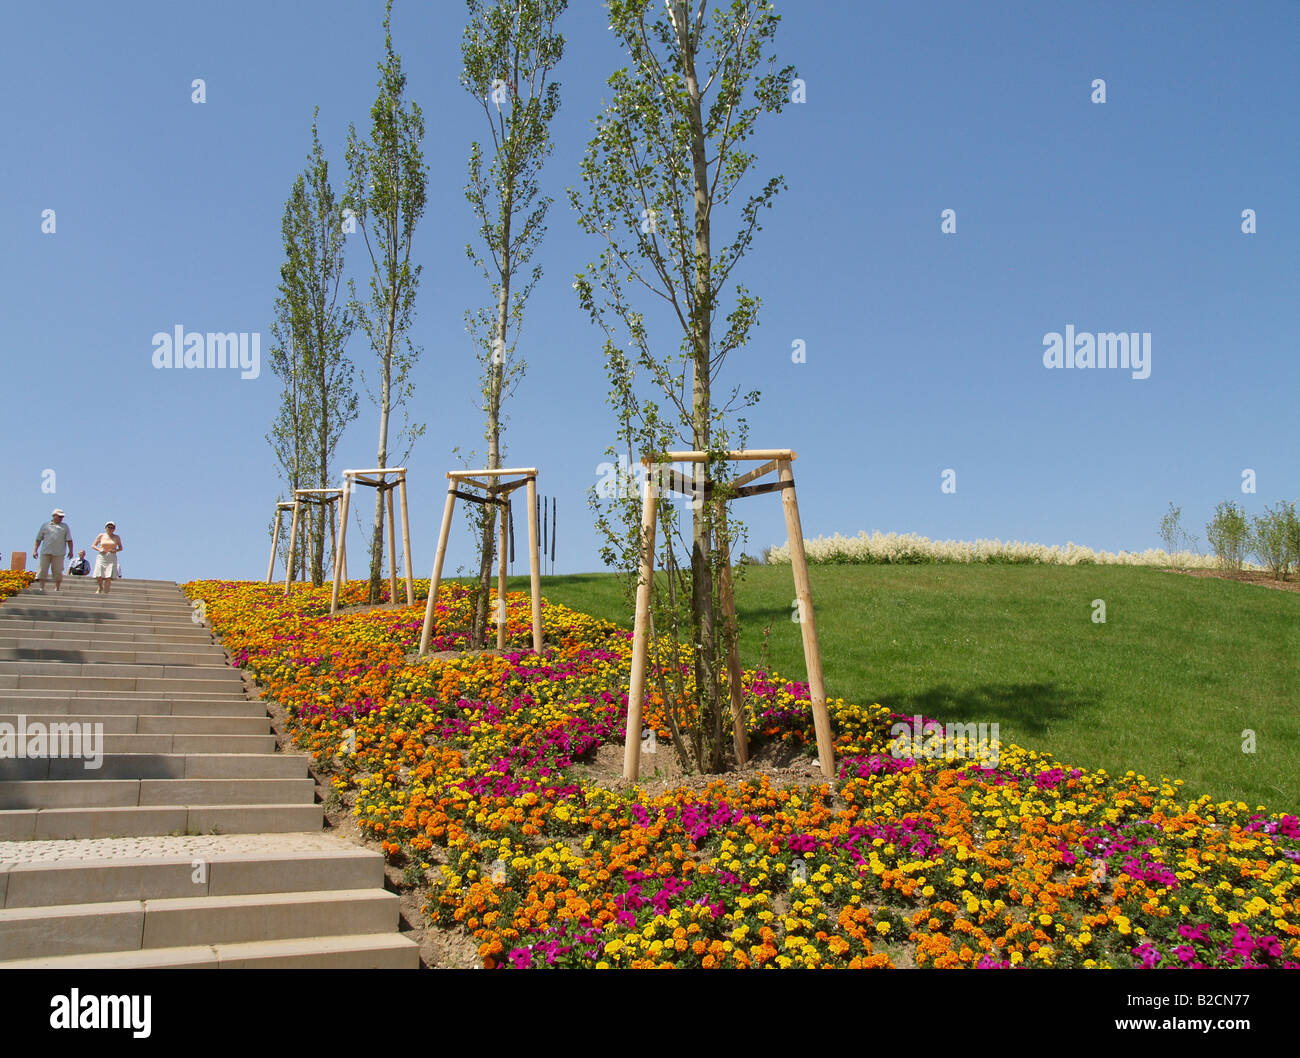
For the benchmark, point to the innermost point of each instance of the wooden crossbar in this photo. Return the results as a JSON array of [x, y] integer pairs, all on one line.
[[757, 472], [529, 471], [473, 498], [748, 455], [767, 486]]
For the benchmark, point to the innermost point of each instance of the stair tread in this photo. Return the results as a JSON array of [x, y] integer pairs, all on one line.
[[216, 954]]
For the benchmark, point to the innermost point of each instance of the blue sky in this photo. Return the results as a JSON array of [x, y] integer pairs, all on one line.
[[924, 350]]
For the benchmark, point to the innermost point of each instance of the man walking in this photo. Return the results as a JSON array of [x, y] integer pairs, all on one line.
[[51, 540]]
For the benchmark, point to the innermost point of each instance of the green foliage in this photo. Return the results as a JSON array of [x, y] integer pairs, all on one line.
[[1228, 533], [1273, 537], [509, 51], [311, 332], [387, 180], [1176, 540], [668, 151]]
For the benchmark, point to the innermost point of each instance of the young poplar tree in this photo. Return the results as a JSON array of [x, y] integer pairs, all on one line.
[[510, 49], [313, 230], [386, 192], [668, 151], [291, 432]]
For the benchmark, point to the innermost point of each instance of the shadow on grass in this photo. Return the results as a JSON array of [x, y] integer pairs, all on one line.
[[1030, 707]]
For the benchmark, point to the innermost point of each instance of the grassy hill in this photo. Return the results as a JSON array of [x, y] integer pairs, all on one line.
[[1180, 668]]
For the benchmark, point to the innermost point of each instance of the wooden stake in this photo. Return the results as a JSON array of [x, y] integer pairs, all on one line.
[[392, 551], [334, 541], [533, 566], [501, 583], [640, 635], [740, 740], [275, 539], [341, 564], [807, 624], [293, 540], [443, 533], [406, 547]]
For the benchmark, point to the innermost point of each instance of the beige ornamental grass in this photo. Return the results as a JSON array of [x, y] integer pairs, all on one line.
[[903, 548]]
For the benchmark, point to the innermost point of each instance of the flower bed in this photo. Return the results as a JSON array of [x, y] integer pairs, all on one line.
[[14, 581], [470, 770]]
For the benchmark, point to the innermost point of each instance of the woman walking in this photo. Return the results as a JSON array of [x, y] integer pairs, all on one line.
[[108, 544]]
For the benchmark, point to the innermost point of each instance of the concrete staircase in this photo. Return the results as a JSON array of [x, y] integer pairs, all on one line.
[[192, 843]]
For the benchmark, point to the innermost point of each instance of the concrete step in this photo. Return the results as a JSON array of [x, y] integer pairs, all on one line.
[[148, 765], [14, 622], [101, 632], [99, 612], [11, 702], [154, 868], [122, 793], [126, 583], [173, 922], [191, 744], [171, 742], [243, 731], [85, 652], [181, 672], [100, 684], [30, 824], [370, 951]]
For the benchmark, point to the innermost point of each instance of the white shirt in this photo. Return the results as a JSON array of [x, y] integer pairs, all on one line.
[[53, 539]]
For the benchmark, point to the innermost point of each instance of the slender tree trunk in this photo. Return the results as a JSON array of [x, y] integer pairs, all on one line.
[[707, 683], [496, 376], [385, 397], [322, 456]]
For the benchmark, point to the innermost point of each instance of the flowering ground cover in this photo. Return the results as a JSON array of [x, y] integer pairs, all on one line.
[[14, 581], [465, 768]]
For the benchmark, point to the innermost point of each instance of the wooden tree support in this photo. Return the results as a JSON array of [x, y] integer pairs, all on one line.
[[497, 492], [776, 459], [315, 498], [280, 508], [376, 479]]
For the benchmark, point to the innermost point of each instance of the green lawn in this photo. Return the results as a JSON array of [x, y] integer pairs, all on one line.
[[1167, 685]]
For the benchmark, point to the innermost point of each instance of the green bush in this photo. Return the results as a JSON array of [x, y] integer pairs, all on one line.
[[1293, 534], [1228, 533], [1271, 537]]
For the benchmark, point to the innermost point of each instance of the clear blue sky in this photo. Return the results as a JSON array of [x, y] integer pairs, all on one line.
[[924, 350]]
